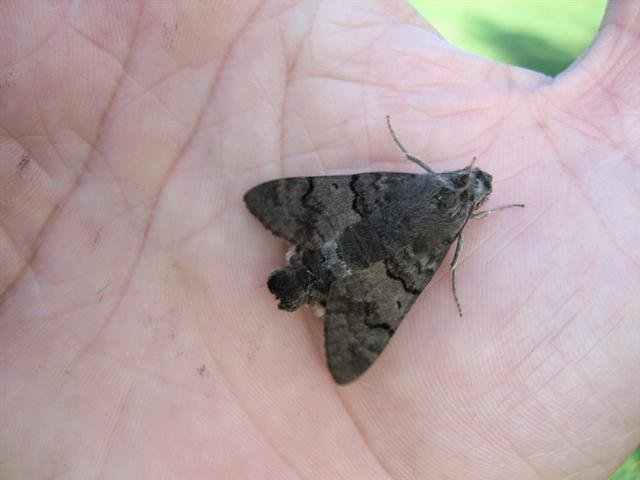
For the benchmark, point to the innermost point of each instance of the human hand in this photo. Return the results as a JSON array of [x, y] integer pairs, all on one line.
[[137, 337]]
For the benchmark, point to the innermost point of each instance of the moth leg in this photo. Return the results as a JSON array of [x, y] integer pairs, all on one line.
[[410, 157], [454, 264], [317, 308], [487, 213], [290, 253]]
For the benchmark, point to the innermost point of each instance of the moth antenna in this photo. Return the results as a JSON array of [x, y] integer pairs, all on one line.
[[410, 157], [473, 161]]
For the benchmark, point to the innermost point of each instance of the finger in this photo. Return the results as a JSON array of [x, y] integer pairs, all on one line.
[[402, 12], [611, 61], [625, 15]]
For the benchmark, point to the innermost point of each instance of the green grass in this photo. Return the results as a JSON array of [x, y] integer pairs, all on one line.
[[544, 35]]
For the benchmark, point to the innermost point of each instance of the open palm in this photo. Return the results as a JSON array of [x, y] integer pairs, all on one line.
[[137, 336]]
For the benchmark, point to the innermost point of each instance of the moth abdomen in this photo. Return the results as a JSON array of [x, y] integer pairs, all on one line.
[[291, 286]]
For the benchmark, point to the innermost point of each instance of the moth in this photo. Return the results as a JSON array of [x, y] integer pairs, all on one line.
[[365, 246]]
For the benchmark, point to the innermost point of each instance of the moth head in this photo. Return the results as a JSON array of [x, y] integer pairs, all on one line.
[[469, 186], [480, 184]]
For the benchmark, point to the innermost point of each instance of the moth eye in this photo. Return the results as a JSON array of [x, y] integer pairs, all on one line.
[[478, 183]]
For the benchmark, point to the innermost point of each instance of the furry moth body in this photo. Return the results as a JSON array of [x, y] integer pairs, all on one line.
[[366, 245]]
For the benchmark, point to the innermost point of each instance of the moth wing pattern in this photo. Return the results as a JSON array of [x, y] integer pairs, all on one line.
[[365, 309], [310, 211]]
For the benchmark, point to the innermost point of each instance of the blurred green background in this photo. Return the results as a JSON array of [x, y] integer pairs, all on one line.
[[542, 35]]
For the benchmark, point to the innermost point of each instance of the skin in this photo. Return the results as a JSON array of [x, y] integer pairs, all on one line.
[[137, 336]]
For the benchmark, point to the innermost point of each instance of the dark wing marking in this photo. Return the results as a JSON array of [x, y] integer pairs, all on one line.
[[365, 309], [309, 211]]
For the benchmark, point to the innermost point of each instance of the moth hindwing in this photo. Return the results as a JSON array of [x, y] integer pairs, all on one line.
[[366, 245]]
